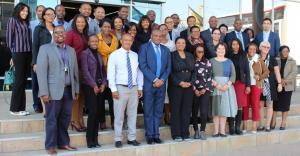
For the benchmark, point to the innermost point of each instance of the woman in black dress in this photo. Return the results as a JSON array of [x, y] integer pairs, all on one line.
[[288, 72]]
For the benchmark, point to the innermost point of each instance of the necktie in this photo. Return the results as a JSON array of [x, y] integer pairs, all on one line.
[[130, 85], [158, 60], [240, 37]]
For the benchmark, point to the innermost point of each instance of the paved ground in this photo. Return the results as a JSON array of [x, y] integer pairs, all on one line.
[[291, 149]]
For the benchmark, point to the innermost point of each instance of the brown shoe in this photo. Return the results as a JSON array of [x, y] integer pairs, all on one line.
[[51, 151], [68, 148]]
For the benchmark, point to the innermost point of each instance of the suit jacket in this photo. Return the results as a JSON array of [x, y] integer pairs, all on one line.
[[289, 74], [89, 68], [41, 36], [232, 35], [184, 33], [274, 41], [147, 64], [51, 74], [174, 35], [206, 36]]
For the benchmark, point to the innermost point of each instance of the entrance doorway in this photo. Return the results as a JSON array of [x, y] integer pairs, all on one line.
[[72, 8]]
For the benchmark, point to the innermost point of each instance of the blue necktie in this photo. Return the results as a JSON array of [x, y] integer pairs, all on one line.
[[158, 61], [240, 37], [130, 85]]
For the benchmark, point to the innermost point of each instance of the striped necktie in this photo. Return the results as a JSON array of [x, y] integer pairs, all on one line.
[[130, 85]]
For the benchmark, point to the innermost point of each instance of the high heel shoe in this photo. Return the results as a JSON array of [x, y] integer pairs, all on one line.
[[273, 127], [77, 128]]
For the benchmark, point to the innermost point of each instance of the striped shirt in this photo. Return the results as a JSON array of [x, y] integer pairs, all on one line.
[[18, 36]]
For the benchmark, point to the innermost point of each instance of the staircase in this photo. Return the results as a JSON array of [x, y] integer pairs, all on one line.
[[25, 136]]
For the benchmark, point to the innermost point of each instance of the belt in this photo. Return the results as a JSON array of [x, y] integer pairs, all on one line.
[[125, 85]]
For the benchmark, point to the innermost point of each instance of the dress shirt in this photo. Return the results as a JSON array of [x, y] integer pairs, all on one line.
[[63, 23], [64, 57], [239, 36], [33, 24], [117, 73], [266, 35]]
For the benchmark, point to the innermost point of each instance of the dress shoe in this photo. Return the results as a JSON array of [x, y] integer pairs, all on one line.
[[268, 130], [157, 140], [91, 146], [282, 128], [150, 141], [260, 128], [118, 144], [223, 135], [97, 145], [133, 142], [36, 110], [178, 139], [68, 148], [51, 151], [215, 135]]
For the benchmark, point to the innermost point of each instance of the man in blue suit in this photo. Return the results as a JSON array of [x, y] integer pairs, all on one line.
[[155, 63], [268, 35], [238, 34]]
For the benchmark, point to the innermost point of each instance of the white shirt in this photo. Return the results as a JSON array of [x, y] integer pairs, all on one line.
[[170, 45], [251, 62], [266, 35], [117, 73]]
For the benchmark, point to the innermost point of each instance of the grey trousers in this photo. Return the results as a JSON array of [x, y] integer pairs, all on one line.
[[128, 100]]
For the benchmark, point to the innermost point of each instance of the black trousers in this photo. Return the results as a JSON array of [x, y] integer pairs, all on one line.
[[107, 95], [22, 63], [202, 102], [181, 101], [93, 102]]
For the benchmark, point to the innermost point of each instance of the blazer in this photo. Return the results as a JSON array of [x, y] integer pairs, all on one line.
[[274, 41], [51, 74], [89, 68], [289, 74], [182, 70], [260, 68], [243, 64], [232, 35], [206, 36], [184, 33], [41, 36], [147, 64]]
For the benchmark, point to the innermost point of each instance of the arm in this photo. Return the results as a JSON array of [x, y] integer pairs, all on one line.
[[111, 74], [35, 44], [143, 64], [265, 71], [10, 33], [277, 74], [140, 79], [42, 62], [167, 72], [85, 70], [76, 73], [232, 74], [247, 72]]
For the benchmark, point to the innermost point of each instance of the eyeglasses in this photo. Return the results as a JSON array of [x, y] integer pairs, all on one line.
[[50, 15], [59, 32]]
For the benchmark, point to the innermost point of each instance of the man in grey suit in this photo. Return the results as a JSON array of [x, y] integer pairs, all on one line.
[[57, 74]]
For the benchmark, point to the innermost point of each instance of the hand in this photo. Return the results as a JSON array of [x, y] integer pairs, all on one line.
[[96, 90], [225, 88], [283, 83], [11, 62], [34, 67], [214, 83], [182, 84], [197, 93], [256, 77], [76, 96], [202, 91], [247, 90], [188, 84], [140, 93], [45, 99], [279, 87], [115, 95], [102, 88], [159, 83]]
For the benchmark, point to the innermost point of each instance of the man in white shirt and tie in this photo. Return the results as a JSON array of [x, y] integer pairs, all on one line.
[[126, 83]]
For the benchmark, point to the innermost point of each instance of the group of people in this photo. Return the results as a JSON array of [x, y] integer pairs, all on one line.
[[169, 69]]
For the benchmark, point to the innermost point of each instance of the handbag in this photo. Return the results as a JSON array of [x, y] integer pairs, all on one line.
[[9, 79]]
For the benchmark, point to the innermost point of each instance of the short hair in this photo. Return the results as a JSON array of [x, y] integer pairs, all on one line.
[[18, 8], [162, 25], [168, 18], [215, 29], [267, 19], [44, 13], [85, 3], [252, 44], [98, 8], [57, 6], [222, 44], [284, 47], [155, 31], [264, 43], [123, 7], [92, 35], [212, 17], [194, 27], [151, 11], [188, 18], [175, 15], [223, 25], [39, 6], [105, 20]]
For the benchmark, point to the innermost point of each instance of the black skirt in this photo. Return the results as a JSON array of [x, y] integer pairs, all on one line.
[[284, 101]]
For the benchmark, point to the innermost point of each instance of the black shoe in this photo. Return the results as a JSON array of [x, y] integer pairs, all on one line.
[[238, 131], [231, 131], [37, 110], [216, 135], [150, 141], [157, 140], [223, 135], [97, 145], [268, 130], [282, 128], [91, 146], [133, 142], [260, 128], [118, 144]]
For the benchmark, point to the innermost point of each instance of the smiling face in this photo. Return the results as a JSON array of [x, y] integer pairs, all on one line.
[[195, 33], [152, 15], [216, 35], [49, 16], [191, 22], [126, 41], [213, 22], [99, 13], [252, 50], [106, 28], [24, 13], [199, 52], [264, 48], [164, 30], [59, 34], [285, 53], [145, 24], [238, 24], [85, 10], [221, 51], [39, 12], [180, 44], [93, 42], [156, 36], [176, 19], [235, 46], [123, 13], [60, 12], [80, 24], [118, 23], [170, 23], [132, 31]]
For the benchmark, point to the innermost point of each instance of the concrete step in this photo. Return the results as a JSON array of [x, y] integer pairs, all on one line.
[[35, 123], [35, 141], [186, 148]]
